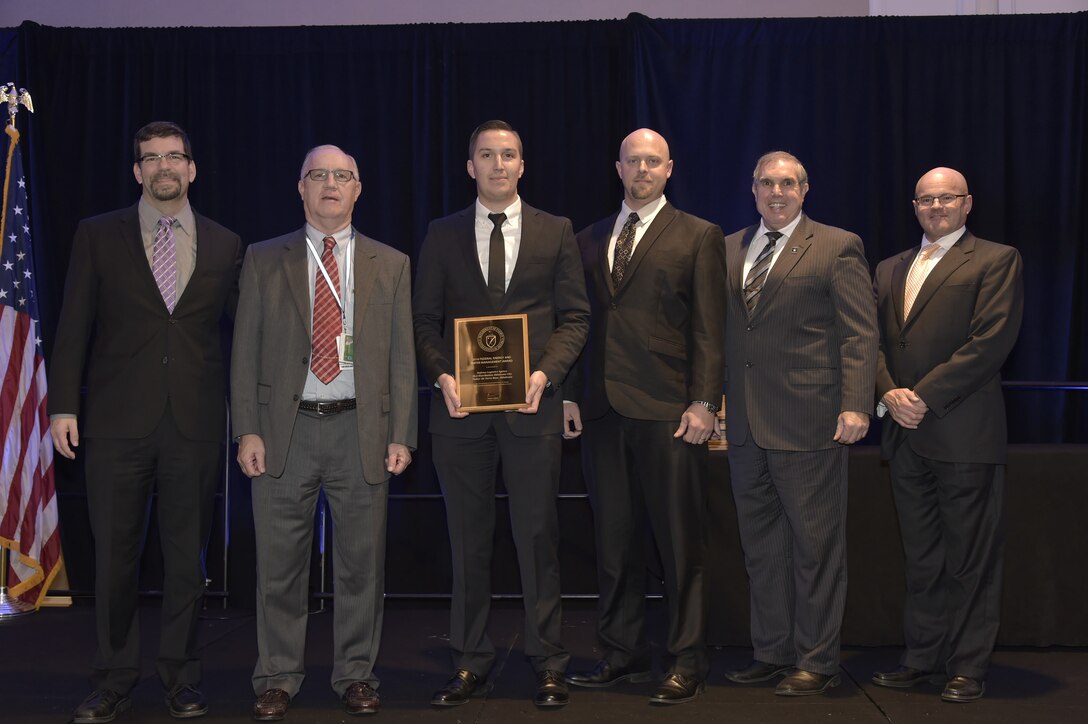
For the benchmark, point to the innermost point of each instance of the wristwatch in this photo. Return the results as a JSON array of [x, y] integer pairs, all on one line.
[[712, 409]]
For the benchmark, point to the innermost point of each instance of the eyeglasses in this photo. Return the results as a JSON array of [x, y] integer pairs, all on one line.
[[341, 175], [946, 200], [173, 159]]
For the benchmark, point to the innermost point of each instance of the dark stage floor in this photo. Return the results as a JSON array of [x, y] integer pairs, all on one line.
[[45, 659]]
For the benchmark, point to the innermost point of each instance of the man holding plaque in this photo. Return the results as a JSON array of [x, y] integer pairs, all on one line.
[[650, 382], [497, 258], [324, 400]]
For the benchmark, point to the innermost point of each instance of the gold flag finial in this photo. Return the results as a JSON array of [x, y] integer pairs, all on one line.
[[9, 95]]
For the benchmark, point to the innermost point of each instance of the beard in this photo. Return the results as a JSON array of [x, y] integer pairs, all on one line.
[[168, 191]]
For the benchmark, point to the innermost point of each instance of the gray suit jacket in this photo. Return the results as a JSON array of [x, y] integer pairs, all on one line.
[[808, 351], [272, 349]]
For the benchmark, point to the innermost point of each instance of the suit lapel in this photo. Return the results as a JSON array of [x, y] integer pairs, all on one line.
[[660, 223], [296, 268], [602, 239], [465, 241], [134, 243], [364, 273], [530, 233], [899, 283], [952, 260], [735, 263], [796, 245]]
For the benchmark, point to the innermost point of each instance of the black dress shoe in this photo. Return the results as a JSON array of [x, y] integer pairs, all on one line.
[[806, 683], [185, 701], [271, 705], [551, 690], [677, 689], [757, 671], [905, 677], [962, 688], [460, 688], [604, 674], [360, 698], [101, 706]]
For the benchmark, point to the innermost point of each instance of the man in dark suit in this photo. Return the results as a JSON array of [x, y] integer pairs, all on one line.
[[151, 282], [650, 380], [501, 256], [800, 363], [323, 381], [949, 314]]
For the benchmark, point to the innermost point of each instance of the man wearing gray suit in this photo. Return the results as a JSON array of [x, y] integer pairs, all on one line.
[[323, 383], [801, 354], [949, 314]]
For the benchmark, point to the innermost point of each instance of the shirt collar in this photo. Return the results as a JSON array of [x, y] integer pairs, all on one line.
[[343, 237], [646, 214], [149, 217], [513, 212], [786, 231], [948, 240]]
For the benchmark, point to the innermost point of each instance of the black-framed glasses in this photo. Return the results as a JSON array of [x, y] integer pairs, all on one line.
[[174, 158], [945, 199], [340, 175]]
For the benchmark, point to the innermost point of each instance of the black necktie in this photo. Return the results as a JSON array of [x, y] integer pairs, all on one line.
[[753, 285], [496, 260], [622, 255]]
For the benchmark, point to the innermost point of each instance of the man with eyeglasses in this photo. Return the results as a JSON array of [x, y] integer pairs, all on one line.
[[323, 398], [800, 361], [501, 256], [151, 282], [949, 313]]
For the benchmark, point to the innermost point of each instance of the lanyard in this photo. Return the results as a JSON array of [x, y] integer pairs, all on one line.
[[325, 272]]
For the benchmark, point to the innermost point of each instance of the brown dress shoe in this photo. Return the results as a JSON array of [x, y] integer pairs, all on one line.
[[677, 689], [905, 677], [360, 698], [102, 705], [271, 705], [963, 689], [604, 674], [460, 688], [185, 701], [551, 690], [756, 672], [806, 683]]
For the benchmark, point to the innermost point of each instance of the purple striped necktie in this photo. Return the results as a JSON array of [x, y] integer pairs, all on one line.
[[164, 262]]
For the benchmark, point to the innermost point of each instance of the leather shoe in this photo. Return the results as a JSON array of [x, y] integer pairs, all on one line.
[[677, 689], [271, 705], [460, 688], [604, 674], [961, 689], [101, 706], [360, 698], [551, 690], [905, 677], [185, 701], [757, 671], [806, 683]]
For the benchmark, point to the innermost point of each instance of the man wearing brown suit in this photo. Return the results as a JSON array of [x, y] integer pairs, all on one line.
[[800, 365]]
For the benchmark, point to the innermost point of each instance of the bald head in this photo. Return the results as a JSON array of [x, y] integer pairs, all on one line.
[[942, 202], [328, 202], [644, 167], [307, 162]]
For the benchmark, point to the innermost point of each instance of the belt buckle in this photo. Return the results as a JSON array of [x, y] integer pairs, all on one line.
[[324, 408]]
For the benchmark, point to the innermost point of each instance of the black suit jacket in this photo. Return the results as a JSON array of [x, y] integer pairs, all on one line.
[[546, 285], [962, 326], [142, 355], [657, 342]]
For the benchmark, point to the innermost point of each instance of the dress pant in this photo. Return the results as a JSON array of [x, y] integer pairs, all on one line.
[[950, 518], [636, 469], [467, 472], [323, 456], [121, 474], [791, 513]]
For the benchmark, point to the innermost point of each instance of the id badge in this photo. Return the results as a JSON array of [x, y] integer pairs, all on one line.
[[345, 348]]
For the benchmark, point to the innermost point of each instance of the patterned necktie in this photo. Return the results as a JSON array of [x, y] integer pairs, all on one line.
[[916, 276], [622, 255], [164, 262], [753, 285], [496, 259], [324, 359]]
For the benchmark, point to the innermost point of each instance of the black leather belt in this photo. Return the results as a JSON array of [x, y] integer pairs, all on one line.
[[327, 408]]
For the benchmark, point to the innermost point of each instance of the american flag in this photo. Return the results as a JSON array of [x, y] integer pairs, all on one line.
[[28, 502]]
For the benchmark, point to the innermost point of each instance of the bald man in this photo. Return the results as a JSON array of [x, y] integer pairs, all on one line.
[[949, 313], [309, 420], [649, 383]]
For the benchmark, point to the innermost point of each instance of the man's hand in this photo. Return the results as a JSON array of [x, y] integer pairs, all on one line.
[[905, 406], [448, 385], [537, 382], [572, 420], [696, 425], [851, 427], [65, 433], [397, 458], [251, 455]]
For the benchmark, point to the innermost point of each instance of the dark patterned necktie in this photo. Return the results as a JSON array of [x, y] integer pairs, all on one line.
[[164, 262], [496, 259], [324, 359], [622, 255], [757, 275]]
